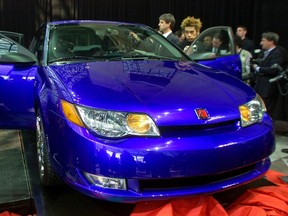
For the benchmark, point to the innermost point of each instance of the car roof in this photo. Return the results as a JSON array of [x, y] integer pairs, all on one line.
[[63, 22]]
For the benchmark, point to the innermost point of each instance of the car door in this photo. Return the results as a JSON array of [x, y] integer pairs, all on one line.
[[226, 59], [17, 74]]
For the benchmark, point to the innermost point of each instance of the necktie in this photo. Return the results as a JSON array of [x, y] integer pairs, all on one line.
[[266, 53]]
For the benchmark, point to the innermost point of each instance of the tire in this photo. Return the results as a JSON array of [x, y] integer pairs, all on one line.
[[46, 173]]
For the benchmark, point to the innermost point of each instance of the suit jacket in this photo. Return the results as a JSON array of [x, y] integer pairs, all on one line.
[[262, 85], [173, 38], [222, 50]]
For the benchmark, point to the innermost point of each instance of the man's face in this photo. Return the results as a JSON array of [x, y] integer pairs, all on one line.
[[207, 41], [216, 42], [266, 44], [164, 26], [241, 32], [191, 33]]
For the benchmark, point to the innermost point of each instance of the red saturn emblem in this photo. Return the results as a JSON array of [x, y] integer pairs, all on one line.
[[202, 113]]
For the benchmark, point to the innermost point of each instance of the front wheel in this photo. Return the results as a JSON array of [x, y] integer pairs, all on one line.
[[46, 173]]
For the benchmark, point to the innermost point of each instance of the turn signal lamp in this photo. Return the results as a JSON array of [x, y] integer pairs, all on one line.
[[71, 113]]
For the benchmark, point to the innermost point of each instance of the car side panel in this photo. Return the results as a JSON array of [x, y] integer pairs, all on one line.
[[16, 96], [230, 64]]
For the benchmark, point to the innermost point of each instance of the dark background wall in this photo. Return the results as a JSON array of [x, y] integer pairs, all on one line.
[[25, 16]]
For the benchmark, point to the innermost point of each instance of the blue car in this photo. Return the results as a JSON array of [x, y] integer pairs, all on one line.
[[123, 115]]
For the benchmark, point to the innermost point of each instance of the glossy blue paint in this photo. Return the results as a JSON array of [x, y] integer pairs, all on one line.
[[170, 101], [16, 93], [204, 153], [132, 195], [221, 63], [214, 153], [190, 154], [167, 94]]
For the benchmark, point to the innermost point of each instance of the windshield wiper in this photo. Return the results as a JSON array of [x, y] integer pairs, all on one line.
[[67, 58], [125, 57], [129, 56]]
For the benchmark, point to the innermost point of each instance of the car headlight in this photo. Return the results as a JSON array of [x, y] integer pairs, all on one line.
[[110, 123], [252, 112]]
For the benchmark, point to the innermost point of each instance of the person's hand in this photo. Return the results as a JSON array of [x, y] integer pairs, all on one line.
[[186, 49], [134, 36], [254, 66]]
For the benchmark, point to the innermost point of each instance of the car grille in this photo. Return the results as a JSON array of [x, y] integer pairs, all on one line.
[[221, 125], [160, 184]]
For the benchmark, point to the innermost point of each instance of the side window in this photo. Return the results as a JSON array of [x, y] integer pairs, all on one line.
[[13, 52], [213, 42], [7, 45], [15, 36]]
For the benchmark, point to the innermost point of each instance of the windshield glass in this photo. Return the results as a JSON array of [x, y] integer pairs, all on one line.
[[96, 41]]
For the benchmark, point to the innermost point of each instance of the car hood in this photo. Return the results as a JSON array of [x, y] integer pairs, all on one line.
[[168, 91]]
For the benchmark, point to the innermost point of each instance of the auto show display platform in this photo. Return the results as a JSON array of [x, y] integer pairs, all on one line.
[[21, 192], [15, 188]]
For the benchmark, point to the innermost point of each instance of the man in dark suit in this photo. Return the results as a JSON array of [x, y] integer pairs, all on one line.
[[166, 25], [264, 70], [219, 47]]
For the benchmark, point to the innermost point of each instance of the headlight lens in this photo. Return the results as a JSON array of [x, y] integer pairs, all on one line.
[[117, 124], [139, 123], [252, 112]]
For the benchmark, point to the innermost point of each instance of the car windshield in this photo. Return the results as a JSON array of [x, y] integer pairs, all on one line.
[[108, 42]]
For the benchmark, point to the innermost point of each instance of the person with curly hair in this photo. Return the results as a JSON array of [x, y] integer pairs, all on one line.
[[191, 27]]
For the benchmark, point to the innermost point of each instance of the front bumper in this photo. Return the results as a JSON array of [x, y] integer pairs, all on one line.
[[175, 165]]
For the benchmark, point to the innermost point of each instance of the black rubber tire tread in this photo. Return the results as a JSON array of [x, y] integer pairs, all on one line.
[[48, 176]]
